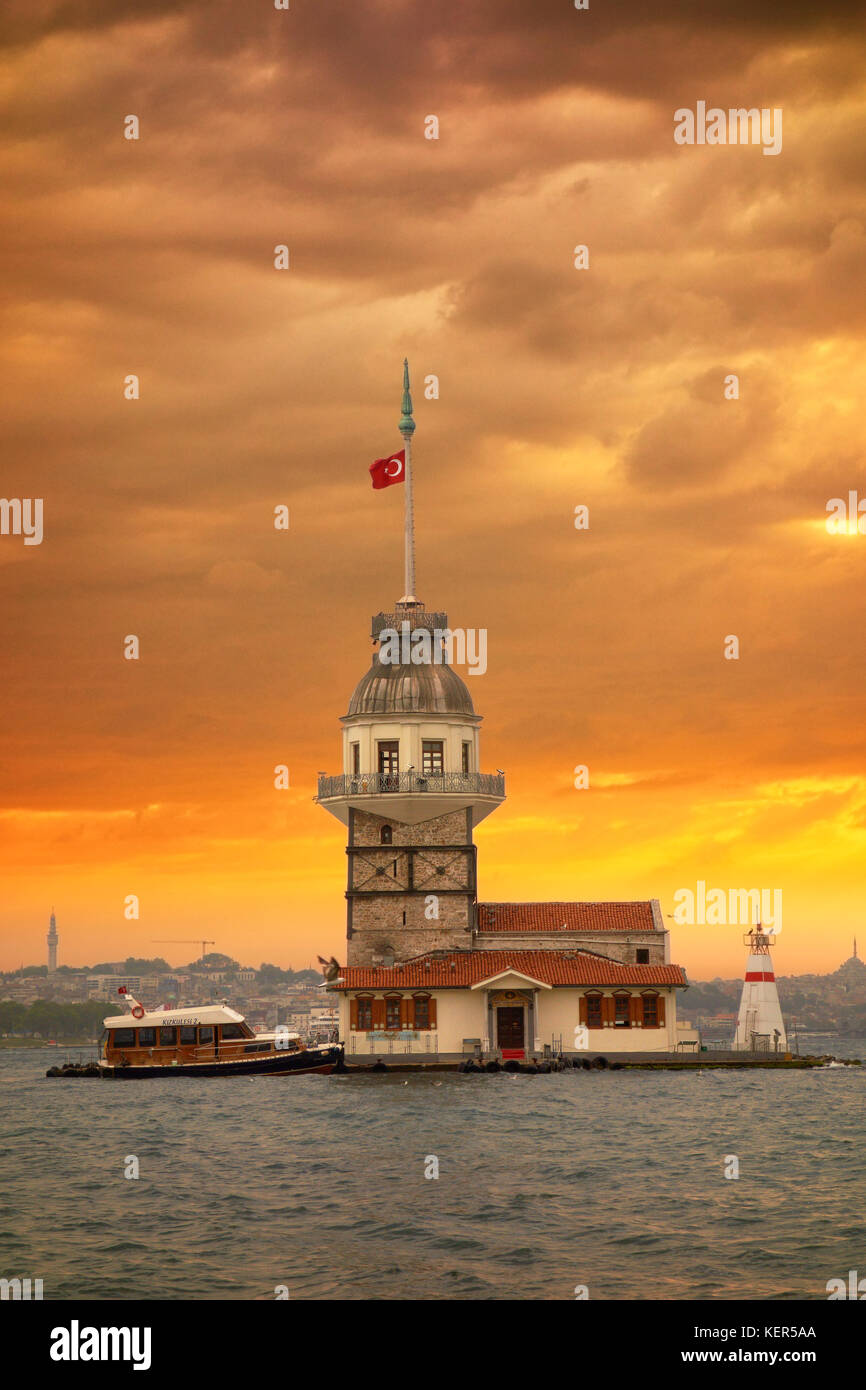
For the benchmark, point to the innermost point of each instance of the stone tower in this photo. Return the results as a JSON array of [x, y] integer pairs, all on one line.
[[52, 939], [410, 794]]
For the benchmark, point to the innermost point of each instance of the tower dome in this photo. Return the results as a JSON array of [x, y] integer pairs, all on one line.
[[410, 736], [425, 689]]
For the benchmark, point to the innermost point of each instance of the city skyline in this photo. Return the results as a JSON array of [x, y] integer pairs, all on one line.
[[558, 388]]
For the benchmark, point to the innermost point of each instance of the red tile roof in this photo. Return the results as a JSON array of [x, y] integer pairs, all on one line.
[[470, 967], [527, 917]]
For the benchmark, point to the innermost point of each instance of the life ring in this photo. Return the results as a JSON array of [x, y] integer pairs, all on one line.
[[137, 1011]]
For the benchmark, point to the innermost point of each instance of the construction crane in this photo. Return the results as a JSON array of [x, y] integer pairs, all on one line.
[[182, 941]]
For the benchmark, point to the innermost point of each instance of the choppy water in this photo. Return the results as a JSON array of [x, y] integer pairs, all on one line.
[[609, 1179]]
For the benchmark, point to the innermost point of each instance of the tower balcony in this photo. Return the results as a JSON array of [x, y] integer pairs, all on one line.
[[412, 797]]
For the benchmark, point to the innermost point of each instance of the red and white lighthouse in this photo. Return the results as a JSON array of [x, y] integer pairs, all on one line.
[[760, 1026]]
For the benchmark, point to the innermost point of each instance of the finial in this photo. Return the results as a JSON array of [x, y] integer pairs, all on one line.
[[407, 424]]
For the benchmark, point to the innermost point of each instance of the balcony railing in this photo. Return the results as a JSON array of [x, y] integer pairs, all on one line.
[[415, 617], [399, 1044], [374, 784]]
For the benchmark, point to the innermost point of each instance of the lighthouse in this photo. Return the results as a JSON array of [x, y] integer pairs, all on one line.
[[52, 938], [760, 1026], [411, 790]]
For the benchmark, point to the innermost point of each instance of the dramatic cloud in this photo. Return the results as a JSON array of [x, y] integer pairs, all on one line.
[[558, 387]]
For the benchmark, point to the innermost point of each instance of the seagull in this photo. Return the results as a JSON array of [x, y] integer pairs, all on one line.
[[331, 970]]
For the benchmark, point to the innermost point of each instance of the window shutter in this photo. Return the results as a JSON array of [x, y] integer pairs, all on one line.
[[661, 1009], [378, 1013], [432, 1007], [353, 1014], [635, 1010], [607, 1009], [404, 1013], [409, 1005], [581, 1014]]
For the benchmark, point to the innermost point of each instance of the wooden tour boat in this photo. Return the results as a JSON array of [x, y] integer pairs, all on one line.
[[212, 1040]]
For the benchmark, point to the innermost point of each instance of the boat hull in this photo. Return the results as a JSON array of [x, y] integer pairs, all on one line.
[[310, 1062]]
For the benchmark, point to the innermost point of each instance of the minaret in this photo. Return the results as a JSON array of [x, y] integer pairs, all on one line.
[[411, 792], [760, 1023], [52, 938]]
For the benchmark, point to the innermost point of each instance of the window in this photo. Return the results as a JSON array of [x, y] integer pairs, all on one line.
[[432, 756], [230, 1031], [422, 1011], [365, 1015], [355, 757], [467, 757], [146, 1037], [187, 1035], [168, 1037], [621, 1017], [205, 1035], [389, 765], [392, 1014], [650, 1011], [386, 835], [124, 1037], [593, 1011], [642, 955]]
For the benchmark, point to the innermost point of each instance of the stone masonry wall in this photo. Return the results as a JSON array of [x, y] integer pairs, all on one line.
[[377, 926]]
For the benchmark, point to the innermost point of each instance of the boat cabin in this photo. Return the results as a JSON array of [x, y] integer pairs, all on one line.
[[177, 1037]]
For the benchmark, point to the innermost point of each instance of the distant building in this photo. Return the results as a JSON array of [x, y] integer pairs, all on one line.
[[53, 940]]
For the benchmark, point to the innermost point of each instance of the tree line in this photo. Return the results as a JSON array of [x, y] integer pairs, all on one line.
[[48, 1019]]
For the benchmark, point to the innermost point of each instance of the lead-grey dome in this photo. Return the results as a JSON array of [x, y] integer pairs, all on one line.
[[425, 689]]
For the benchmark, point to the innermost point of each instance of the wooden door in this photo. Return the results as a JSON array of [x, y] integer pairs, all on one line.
[[389, 765], [509, 1029]]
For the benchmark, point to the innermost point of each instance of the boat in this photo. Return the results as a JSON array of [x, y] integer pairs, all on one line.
[[211, 1040]]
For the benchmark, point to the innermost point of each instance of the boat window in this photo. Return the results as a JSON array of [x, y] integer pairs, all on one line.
[[187, 1034], [205, 1035], [123, 1037], [168, 1037], [146, 1037], [232, 1030], [258, 1047]]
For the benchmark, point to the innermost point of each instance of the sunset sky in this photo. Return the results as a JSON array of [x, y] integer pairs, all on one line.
[[558, 387]]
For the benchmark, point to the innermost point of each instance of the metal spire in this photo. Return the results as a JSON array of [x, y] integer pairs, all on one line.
[[407, 429]]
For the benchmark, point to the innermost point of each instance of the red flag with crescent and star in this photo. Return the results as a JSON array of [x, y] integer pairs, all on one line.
[[387, 472]]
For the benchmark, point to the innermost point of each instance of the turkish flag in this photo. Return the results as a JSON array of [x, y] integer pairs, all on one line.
[[386, 472]]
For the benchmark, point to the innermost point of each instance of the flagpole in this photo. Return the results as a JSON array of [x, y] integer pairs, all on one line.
[[407, 429]]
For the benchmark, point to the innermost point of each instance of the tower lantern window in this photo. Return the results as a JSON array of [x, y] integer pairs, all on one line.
[[432, 756]]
